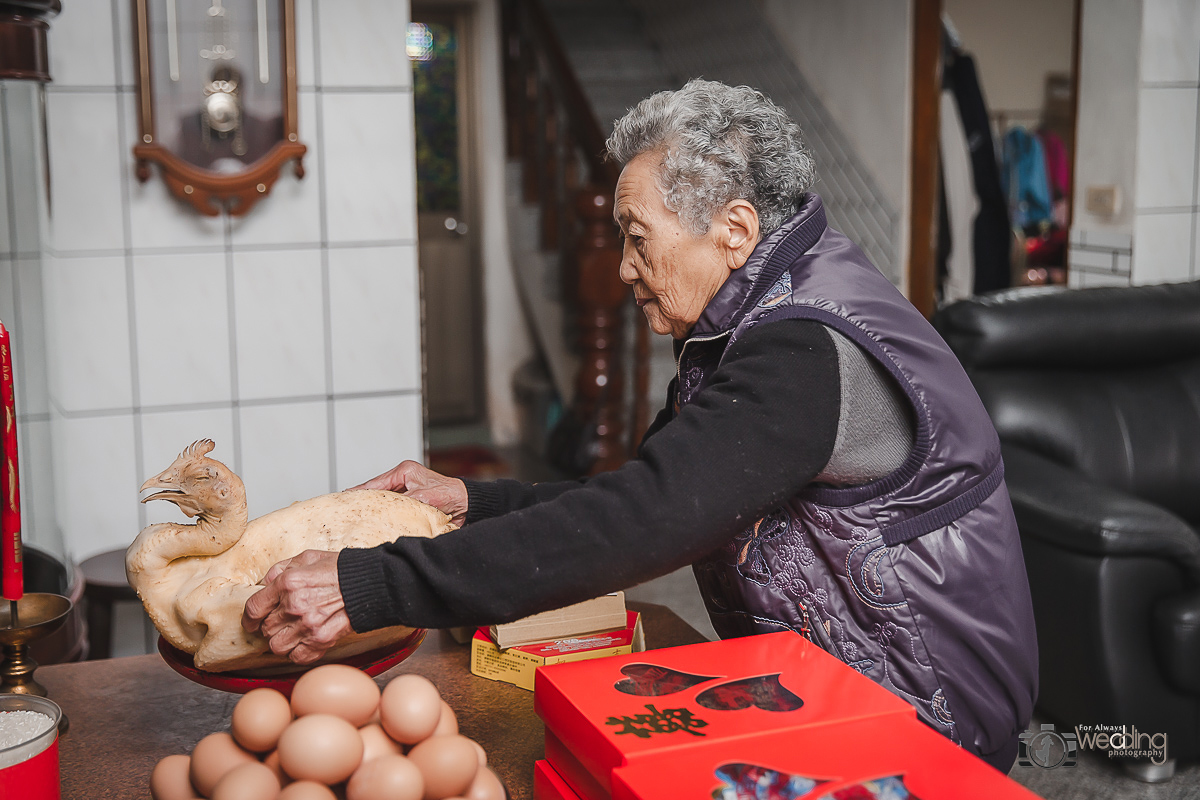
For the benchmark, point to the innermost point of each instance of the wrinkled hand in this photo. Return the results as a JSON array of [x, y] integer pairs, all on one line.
[[448, 495], [300, 610]]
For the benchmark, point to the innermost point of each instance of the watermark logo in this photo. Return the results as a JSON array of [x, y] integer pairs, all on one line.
[[1123, 741], [1047, 748]]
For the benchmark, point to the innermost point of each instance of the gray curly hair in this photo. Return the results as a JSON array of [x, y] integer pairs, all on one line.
[[719, 143]]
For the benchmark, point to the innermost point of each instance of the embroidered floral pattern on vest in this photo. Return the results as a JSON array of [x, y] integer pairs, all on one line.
[[780, 291]]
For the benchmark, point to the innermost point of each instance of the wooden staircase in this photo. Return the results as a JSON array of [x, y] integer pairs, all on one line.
[[555, 137]]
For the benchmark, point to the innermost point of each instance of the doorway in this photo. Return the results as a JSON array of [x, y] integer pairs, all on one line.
[[977, 226], [440, 48]]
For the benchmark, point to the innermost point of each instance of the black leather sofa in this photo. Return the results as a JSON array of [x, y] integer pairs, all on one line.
[[1096, 396]]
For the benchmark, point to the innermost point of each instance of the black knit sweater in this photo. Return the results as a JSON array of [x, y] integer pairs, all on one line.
[[762, 430]]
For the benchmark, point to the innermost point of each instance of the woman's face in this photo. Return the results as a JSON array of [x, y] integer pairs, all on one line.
[[674, 274]]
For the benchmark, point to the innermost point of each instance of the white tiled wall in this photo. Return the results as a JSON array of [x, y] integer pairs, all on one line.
[[290, 336], [367, 55], [1099, 258], [1167, 208], [1156, 243], [181, 315], [365, 171], [374, 319], [88, 333], [1170, 41], [280, 311], [285, 452], [22, 306]]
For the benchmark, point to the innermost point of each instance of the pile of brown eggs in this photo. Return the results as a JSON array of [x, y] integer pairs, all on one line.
[[339, 737]]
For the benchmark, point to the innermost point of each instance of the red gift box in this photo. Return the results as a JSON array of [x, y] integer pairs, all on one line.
[[604, 714], [867, 759], [572, 771], [549, 785]]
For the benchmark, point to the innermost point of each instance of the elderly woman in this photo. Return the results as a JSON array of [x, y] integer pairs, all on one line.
[[822, 462]]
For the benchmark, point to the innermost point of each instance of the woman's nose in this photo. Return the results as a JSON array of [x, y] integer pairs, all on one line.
[[627, 273]]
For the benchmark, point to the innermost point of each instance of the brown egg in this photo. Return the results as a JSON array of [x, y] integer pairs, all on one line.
[[213, 756], [320, 747], [376, 743], [339, 690], [448, 764], [271, 761], [410, 708], [258, 719], [307, 790], [447, 722], [486, 786], [391, 777], [170, 781], [251, 781], [479, 751]]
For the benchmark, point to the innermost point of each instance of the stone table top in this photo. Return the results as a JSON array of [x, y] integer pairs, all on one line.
[[128, 713]]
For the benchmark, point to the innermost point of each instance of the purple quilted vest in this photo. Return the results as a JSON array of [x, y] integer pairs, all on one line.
[[916, 579]]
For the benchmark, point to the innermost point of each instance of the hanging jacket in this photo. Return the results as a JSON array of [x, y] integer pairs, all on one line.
[[1058, 163], [1025, 183], [915, 579], [992, 236]]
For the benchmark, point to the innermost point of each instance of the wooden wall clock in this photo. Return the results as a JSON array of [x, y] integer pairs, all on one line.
[[23, 27], [216, 89]]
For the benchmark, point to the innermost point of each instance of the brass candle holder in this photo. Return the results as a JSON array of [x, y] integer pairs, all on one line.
[[38, 615]]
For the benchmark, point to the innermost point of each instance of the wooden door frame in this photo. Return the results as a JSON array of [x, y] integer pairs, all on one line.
[[1076, 46], [923, 176]]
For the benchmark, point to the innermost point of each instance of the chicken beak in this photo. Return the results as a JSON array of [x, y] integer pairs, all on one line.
[[170, 490]]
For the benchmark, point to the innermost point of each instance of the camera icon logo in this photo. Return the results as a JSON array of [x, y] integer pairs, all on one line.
[[1047, 748]]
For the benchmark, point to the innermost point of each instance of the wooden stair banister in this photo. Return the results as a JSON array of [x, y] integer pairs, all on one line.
[[549, 123], [600, 385]]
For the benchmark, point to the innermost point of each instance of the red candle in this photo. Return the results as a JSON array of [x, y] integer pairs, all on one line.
[[10, 510]]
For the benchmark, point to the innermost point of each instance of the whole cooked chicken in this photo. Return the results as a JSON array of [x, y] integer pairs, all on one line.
[[194, 579]]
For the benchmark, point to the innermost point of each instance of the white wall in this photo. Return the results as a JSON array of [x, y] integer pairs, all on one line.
[[1106, 122], [857, 56], [507, 340], [290, 336], [1138, 131]]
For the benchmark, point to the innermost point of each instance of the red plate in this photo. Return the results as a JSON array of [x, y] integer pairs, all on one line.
[[373, 662]]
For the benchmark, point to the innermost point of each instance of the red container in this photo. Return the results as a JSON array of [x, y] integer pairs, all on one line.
[[29, 771], [611, 712]]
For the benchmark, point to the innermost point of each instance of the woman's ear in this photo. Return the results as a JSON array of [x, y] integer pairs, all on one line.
[[742, 222]]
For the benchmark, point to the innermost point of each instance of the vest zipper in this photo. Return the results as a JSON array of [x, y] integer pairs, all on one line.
[[683, 351], [813, 629]]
